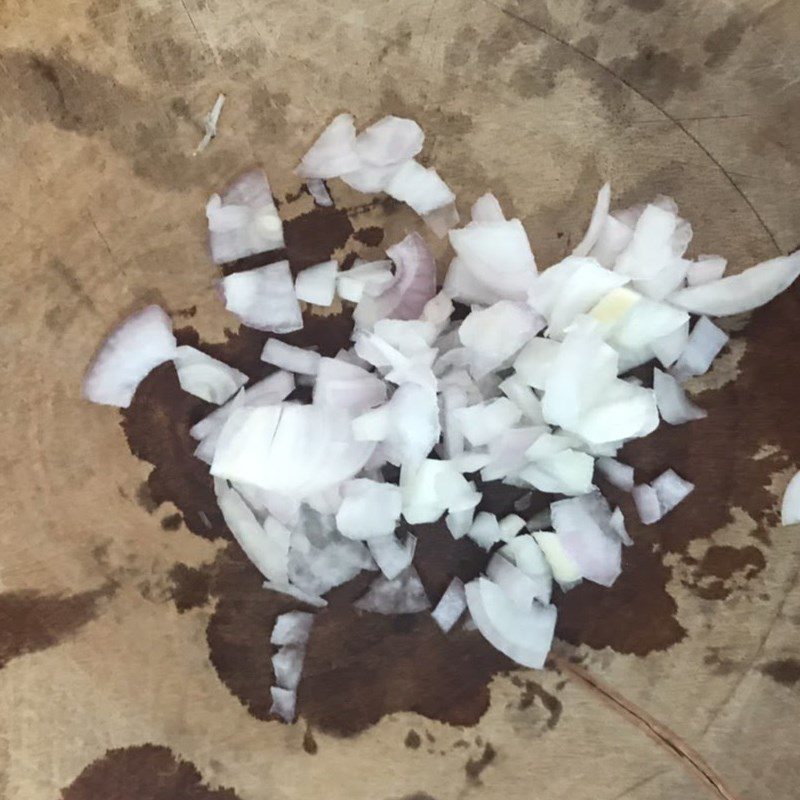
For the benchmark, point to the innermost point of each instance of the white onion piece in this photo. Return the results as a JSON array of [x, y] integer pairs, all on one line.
[[482, 423], [535, 361], [614, 308], [615, 235], [510, 526], [705, 270], [413, 286], [743, 292], [437, 311], [596, 223], [334, 152], [494, 262], [142, 342], [517, 586], [617, 523], [390, 140], [650, 249], [284, 703], [647, 505], [523, 398], [404, 594], [704, 344], [668, 348], [487, 209], [319, 191], [317, 284], [790, 506], [524, 635], [287, 666], [432, 488], [525, 553], [392, 556], [670, 490], [267, 548], [206, 377], [617, 473], [548, 444], [583, 526], [420, 188], [495, 334], [673, 404], [370, 179], [565, 570], [368, 509], [292, 628], [568, 472], [372, 277], [244, 221], [264, 298], [346, 386], [460, 522], [291, 358], [508, 452], [452, 604], [485, 530]]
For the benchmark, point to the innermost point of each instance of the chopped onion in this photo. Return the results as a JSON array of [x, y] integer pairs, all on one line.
[[137, 346], [670, 490], [369, 509], [317, 284], [287, 666], [334, 153], [372, 277], [523, 634], [617, 473], [404, 594], [705, 270], [319, 191], [420, 188], [525, 553], [598, 220], [284, 703], [484, 422], [244, 221], [673, 404], [391, 140], [291, 358], [485, 530], [647, 504], [617, 523], [704, 344], [206, 377], [292, 628], [565, 571], [390, 555], [264, 298], [451, 606], [743, 292], [790, 507]]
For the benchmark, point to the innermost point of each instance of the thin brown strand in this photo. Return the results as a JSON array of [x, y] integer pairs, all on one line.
[[691, 760]]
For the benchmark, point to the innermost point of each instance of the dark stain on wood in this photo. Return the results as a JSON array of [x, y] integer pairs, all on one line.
[[412, 740], [142, 772], [189, 587], [31, 621], [475, 766], [371, 236], [171, 522], [310, 743], [785, 671], [531, 691]]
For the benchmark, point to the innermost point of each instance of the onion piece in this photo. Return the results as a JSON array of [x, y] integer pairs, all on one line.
[[369, 509], [670, 490], [485, 530], [420, 188], [292, 628], [647, 504], [484, 422], [287, 666], [413, 286], [244, 221], [390, 140], [535, 361], [650, 248], [334, 152], [391, 556], [372, 277], [291, 358], [346, 386], [568, 472], [525, 553], [566, 571], [705, 270], [317, 284], [704, 344], [673, 404], [404, 594], [487, 209], [520, 588], [142, 342], [617, 473], [523, 398], [743, 292], [596, 223], [206, 377], [460, 522], [284, 703], [264, 298], [319, 191], [524, 635], [790, 505], [452, 604], [668, 348], [617, 523]]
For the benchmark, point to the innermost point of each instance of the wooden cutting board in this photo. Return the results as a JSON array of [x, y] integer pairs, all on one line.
[[134, 660]]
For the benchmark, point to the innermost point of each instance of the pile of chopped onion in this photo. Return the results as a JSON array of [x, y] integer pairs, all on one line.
[[531, 388]]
